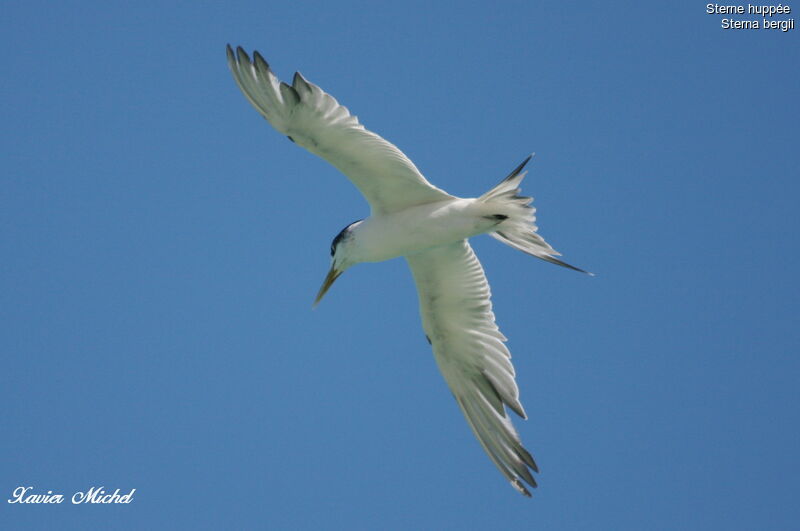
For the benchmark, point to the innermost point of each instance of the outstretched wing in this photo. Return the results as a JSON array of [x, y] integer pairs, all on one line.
[[454, 301], [314, 120]]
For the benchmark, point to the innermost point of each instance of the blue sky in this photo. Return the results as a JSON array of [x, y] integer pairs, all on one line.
[[161, 247]]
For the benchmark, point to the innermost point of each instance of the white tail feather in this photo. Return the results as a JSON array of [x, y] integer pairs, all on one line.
[[519, 228]]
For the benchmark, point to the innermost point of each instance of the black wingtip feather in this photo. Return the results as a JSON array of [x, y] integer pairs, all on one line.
[[528, 458], [259, 60], [300, 83], [241, 55], [517, 484], [288, 92]]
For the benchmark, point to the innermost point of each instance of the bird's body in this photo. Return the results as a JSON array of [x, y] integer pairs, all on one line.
[[385, 236], [429, 227]]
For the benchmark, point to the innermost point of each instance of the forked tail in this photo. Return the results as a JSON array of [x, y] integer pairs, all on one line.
[[519, 229]]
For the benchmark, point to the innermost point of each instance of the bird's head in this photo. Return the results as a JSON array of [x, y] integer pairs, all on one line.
[[342, 258]]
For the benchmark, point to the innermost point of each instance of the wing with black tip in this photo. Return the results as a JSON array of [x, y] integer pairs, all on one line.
[[456, 309], [313, 119]]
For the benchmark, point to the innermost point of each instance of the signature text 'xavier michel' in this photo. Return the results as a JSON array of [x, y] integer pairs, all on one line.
[[93, 495]]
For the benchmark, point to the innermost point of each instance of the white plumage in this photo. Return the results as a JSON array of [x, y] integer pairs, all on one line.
[[410, 217]]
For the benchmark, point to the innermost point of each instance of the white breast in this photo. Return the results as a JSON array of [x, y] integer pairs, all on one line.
[[419, 228]]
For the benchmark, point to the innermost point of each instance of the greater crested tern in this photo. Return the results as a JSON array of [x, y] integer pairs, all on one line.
[[412, 218]]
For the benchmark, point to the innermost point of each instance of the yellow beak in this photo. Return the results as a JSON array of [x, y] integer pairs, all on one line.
[[333, 274]]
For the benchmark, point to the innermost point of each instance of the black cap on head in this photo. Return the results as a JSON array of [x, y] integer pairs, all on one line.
[[342, 234]]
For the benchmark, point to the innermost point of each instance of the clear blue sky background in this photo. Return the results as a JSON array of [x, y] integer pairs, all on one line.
[[161, 247]]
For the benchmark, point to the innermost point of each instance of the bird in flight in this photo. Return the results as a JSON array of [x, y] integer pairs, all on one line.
[[410, 217]]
